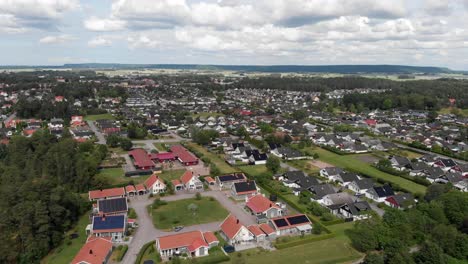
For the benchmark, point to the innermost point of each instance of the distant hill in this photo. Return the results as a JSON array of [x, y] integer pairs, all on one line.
[[343, 69]]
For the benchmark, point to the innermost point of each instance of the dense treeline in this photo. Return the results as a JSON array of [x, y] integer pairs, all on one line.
[[40, 181], [435, 231], [417, 94]]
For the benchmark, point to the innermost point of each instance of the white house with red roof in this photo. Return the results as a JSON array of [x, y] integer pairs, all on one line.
[[155, 185], [96, 250], [259, 235], [234, 232], [191, 181], [260, 206], [194, 244]]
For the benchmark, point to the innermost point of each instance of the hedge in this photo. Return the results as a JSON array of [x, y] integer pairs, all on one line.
[[123, 251], [335, 150], [333, 222], [303, 241], [142, 251], [213, 259], [404, 175]]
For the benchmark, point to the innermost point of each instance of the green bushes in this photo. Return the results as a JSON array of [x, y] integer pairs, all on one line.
[[122, 251], [335, 150], [132, 214], [142, 251]]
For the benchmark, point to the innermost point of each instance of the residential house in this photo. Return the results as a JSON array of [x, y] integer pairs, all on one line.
[[243, 190], [234, 232], [194, 244], [346, 178], [259, 235], [288, 153], [336, 199], [112, 206], [191, 181], [226, 181], [263, 208], [112, 226], [331, 172], [400, 163], [400, 201], [184, 156], [361, 186], [106, 194], [355, 211], [445, 164], [291, 225], [155, 185], [96, 250], [141, 159], [320, 190], [380, 193]]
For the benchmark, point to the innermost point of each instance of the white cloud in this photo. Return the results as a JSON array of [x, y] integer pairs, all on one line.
[[142, 41], [58, 39], [99, 41], [97, 24]]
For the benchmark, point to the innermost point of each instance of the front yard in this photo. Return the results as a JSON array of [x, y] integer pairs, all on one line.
[[116, 177], [170, 175], [187, 212], [97, 117]]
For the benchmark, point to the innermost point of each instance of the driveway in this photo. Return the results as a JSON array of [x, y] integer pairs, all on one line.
[[99, 135], [146, 231]]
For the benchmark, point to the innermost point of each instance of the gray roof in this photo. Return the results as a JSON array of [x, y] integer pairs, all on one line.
[[321, 190], [365, 183]]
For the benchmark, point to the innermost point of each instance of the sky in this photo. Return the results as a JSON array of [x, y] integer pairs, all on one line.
[[235, 32]]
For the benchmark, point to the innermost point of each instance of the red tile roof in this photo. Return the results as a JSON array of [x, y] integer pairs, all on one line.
[[100, 194], [141, 158], [260, 204], [192, 240], [140, 187], [231, 226], [130, 188], [152, 180], [176, 182], [210, 237], [256, 230], [209, 179], [267, 229], [183, 154], [188, 175], [94, 251], [165, 156]]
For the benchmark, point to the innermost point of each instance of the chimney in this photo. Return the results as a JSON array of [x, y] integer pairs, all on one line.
[[90, 251], [237, 222]]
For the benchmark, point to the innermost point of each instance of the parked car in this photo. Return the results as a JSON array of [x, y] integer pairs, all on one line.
[[178, 228]]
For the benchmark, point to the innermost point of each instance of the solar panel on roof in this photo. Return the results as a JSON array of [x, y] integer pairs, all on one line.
[[108, 222], [299, 219], [113, 205], [280, 222]]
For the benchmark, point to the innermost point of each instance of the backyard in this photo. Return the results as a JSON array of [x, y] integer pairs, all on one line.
[[188, 212], [116, 177], [170, 175], [223, 167], [352, 163], [67, 250]]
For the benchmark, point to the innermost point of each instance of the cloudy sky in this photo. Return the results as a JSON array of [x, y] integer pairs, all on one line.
[[311, 32]]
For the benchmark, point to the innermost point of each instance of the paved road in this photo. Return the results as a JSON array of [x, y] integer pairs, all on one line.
[[146, 231], [99, 135]]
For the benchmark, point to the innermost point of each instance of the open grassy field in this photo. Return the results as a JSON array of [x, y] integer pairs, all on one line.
[[116, 176], [448, 110], [223, 167], [354, 164], [169, 175], [332, 250], [178, 213], [97, 117], [304, 165], [65, 253]]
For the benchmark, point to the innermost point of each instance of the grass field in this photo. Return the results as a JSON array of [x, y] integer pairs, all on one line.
[[223, 167], [178, 213], [65, 253], [304, 165], [116, 176], [97, 117], [332, 250], [169, 175], [354, 164], [447, 110]]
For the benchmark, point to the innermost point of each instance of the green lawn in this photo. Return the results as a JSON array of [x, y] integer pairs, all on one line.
[[354, 164], [65, 253], [177, 213], [325, 251], [169, 175], [223, 167], [255, 170], [448, 110], [97, 117], [116, 176], [339, 230], [305, 166]]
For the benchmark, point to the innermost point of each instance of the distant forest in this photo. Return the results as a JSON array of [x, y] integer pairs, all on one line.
[[417, 94]]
